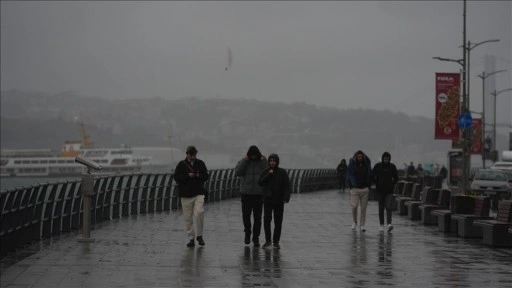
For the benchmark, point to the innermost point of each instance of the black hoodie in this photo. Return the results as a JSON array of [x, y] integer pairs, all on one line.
[[385, 175], [276, 185]]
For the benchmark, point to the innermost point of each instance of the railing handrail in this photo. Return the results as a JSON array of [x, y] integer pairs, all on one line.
[[30, 213]]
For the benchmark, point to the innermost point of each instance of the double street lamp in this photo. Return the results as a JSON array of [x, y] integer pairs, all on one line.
[[466, 133], [495, 94], [484, 76]]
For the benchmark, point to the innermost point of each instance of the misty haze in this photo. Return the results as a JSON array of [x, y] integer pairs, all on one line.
[[311, 81]]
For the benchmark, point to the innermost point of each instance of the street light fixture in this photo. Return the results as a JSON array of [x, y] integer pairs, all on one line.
[[470, 46], [484, 76], [495, 94], [466, 133]]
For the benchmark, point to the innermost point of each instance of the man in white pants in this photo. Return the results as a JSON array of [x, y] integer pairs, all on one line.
[[190, 174], [359, 180]]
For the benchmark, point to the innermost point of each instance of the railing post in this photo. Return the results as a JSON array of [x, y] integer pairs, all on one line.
[[87, 192]]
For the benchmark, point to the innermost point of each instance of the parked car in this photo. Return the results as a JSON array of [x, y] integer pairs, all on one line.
[[492, 182], [502, 166]]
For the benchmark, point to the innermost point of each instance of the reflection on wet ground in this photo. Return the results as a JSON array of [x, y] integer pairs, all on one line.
[[318, 249]]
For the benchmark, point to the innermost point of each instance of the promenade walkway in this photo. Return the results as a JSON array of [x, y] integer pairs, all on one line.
[[318, 249]]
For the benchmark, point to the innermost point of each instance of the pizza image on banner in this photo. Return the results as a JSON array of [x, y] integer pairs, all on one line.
[[447, 106]]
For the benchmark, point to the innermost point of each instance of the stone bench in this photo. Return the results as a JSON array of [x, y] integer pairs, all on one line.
[[465, 227], [459, 204], [495, 232]]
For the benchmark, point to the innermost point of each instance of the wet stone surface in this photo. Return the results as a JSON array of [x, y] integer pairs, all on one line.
[[318, 249]]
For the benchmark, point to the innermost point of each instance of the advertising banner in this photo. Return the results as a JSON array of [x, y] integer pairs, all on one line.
[[447, 106], [476, 139], [476, 147]]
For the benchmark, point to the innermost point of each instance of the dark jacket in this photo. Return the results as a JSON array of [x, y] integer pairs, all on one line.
[[191, 186], [359, 174], [385, 176], [276, 185], [249, 171], [342, 169]]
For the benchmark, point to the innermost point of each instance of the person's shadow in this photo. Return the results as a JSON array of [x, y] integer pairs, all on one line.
[[359, 249], [272, 263], [190, 264], [385, 266]]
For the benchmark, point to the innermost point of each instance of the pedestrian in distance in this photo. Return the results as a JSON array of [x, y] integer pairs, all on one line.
[[249, 170], [276, 190], [359, 181], [191, 174], [341, 171], [411, 171], [385, 177]]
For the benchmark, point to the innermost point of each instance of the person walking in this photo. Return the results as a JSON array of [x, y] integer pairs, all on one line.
[[191, 174], [411, 171], [385, 176], [251, 193], [276, 190], [359, 182], [342, 174]]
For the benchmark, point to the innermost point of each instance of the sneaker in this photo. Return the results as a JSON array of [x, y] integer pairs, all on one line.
[[363, 229], [390, 227], [276, 245], [247, 239], [381, 228], [354, 226], [200, 240], [267, 245], [191, 243]]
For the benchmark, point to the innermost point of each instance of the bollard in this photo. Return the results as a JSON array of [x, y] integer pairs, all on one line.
[[87, 192]]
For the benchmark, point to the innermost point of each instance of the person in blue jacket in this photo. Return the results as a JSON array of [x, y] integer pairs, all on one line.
[[359, 176]]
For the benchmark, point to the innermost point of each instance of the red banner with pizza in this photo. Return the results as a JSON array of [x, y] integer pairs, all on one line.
[[447, 106]]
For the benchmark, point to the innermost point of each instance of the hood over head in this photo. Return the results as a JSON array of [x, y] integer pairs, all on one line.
[[254, 151], [275, 157], [386, 154]]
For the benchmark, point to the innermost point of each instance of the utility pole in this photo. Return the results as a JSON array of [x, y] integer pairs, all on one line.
[[495, 94], [484, 76], [466, 133]]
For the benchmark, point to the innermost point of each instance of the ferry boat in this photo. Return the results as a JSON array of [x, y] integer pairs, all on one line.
[[45, 162]]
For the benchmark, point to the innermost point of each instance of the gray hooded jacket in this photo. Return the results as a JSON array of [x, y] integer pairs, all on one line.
[[249, 171]]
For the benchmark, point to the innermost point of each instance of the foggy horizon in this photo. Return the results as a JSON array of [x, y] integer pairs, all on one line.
[[345, 55]]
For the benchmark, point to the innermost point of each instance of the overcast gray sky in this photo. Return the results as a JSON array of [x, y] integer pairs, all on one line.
[[357, 54]]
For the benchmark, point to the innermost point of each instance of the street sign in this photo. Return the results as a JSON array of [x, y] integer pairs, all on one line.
[[464, 120]]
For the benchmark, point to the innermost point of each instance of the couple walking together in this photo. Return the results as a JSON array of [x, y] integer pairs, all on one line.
[[360, 177]]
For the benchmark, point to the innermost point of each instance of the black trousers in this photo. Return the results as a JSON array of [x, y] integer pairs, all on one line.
[[385, 202], [252, 204], [342, 181], [278, 210]]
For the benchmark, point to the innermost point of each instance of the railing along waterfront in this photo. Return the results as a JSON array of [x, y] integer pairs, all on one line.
[[40, 211]]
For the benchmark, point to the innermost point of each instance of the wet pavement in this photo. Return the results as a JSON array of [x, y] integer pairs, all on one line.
[[318, 249]]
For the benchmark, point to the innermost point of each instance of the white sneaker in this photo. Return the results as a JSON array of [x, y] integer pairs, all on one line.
[[381, 228], [390, 227], [363, 229], [354, 226]]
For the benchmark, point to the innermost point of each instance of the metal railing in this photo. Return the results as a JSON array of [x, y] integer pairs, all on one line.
[[40, 211]]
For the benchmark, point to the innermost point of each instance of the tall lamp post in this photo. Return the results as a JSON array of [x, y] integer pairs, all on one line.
[[484, 76], [495, 94], [467, 48], [463, 185]]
